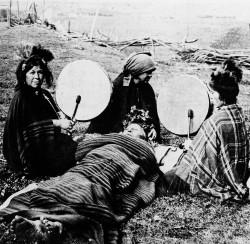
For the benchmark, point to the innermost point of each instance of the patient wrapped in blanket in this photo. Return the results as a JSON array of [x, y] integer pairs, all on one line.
[[115, 175]]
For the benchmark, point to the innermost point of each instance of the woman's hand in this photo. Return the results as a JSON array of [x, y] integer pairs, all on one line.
[[152, 134], [187, 144], [65, 124]]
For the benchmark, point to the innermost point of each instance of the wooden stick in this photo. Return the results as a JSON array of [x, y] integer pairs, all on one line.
[[9, 14], [161, 43], [18, 16], [102, 44], [130, 44], [152, 48], [43, 9], [69, 27], [93, 24]]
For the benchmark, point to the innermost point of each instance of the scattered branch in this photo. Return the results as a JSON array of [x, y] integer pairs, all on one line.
[[127, 45]]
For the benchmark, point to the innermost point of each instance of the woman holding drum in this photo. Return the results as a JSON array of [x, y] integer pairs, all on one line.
[[130, 88], [216, 162], [32, 141]]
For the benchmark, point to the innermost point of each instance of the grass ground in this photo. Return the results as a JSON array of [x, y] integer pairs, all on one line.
[[172, 219]]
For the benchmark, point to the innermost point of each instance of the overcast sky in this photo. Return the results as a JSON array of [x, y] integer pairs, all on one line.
[[236, 8]]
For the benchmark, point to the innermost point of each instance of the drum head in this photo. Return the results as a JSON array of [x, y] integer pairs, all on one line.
[[87, 79], [181, 94]]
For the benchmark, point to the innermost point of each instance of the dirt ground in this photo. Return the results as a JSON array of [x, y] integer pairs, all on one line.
[[173, 219]]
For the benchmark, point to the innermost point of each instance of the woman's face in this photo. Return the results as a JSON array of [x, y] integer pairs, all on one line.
[[34, 77], [135, 130], [144, 77], [215, 98]]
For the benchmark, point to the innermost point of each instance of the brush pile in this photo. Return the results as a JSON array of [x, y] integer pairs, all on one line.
[[185, 51], [215, 56]]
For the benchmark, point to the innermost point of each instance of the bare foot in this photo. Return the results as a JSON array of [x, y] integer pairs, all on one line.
[[52, 226], [30, 230], [37, 231]]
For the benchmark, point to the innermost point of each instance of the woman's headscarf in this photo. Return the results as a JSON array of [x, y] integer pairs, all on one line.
[[138, 63]]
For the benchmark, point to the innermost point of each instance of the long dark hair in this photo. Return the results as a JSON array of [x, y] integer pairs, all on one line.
[[38, 57], [225, 80]]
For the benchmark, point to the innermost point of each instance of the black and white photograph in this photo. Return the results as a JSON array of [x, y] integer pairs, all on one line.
[[124, 122]]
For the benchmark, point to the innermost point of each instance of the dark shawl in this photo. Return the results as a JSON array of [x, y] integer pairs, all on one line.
[[31, 142], [123, 98], [115, 175]]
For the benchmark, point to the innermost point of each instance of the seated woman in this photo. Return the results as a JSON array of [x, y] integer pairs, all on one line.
[[216, 162], [130, 88], [115, 175], [32, 140]]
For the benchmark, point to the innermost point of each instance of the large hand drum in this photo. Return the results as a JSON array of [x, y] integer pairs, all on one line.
[[181, 95], [87, 79]]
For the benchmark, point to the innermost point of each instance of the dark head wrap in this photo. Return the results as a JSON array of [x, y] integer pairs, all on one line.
[[139, 63], [141, 117]]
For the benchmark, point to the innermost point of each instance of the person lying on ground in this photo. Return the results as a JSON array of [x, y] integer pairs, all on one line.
[[130, 88], [115, 176], [216, 161], [32, 141]]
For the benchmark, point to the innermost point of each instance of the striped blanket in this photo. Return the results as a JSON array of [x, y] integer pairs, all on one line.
[[115, 175]]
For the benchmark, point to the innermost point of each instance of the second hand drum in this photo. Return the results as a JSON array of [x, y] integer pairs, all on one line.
[[84, 82], [183, 105]]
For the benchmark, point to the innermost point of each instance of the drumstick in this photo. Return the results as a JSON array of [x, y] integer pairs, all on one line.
[[190, 116], [78, 100]]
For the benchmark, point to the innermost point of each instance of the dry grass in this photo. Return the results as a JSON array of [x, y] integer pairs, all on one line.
[[172, 219]]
